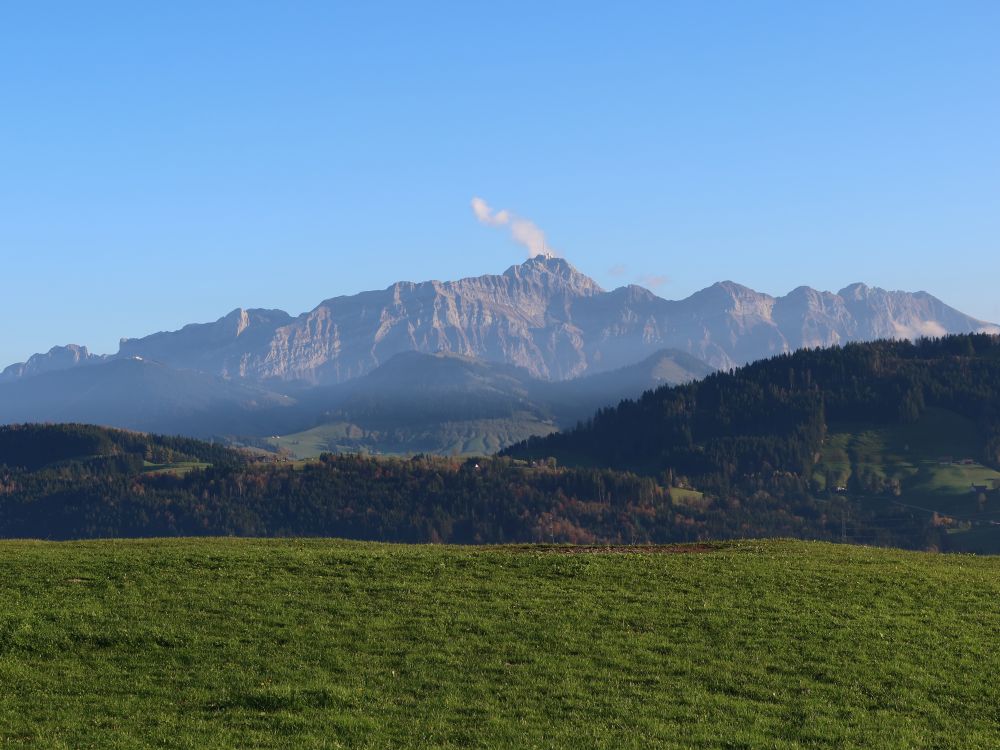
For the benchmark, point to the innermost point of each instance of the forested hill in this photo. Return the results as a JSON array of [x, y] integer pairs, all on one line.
[[877, 428], [735, 430], [34, 447], [773, 415]]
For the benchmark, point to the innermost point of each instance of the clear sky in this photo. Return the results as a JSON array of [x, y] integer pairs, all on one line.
[[164, 163]]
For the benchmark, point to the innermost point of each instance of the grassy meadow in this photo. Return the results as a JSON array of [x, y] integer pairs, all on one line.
[[218, 643], [177, 468], [476, 437]]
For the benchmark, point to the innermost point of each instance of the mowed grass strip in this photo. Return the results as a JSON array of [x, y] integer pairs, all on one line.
[[215, 643]]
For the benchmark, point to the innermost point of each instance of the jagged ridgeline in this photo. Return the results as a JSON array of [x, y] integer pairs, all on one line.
[[543, 315], [773, 418]]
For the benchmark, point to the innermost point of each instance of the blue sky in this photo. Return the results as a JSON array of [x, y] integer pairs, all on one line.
[[165, 165]]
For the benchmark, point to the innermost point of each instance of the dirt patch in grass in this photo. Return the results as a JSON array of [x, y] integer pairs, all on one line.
[[623, 549]]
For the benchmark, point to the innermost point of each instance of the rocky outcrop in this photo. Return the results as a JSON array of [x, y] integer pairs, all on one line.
[[57, 358], [225, 347]]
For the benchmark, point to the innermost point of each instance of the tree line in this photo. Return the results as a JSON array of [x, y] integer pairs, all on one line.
[[423, 499]]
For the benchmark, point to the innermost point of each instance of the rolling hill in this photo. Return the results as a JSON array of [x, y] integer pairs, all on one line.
[[880, 425], [883, 443]]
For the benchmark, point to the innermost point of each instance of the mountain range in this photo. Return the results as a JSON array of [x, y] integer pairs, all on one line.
[[542, 315], [261, 372]]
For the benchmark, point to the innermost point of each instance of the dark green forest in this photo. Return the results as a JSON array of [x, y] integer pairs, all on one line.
[[92, 450], [733, 430]]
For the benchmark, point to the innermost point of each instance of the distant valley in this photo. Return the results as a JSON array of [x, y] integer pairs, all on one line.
[[454, 405]]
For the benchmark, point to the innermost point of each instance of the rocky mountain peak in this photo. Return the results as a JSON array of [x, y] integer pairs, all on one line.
[[545, 268], [728, 296], [856, 291]]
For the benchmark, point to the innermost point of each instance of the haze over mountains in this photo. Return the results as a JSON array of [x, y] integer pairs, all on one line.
[[237, 374], [450, 404]]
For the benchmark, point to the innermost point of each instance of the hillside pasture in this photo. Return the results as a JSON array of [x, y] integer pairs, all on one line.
[[929, 465], [177, 468], [477, 437]]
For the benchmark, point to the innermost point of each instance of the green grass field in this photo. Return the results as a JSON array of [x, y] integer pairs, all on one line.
[[684, 496], [178, 468], [323, 438], [221, 643]]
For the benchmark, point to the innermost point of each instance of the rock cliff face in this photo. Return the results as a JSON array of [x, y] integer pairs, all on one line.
[[57, 358], [522, 317], [224, 347], [542, 315]]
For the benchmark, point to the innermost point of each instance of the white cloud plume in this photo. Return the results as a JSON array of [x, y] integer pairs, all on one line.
[[487, 215], [522, 230]]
